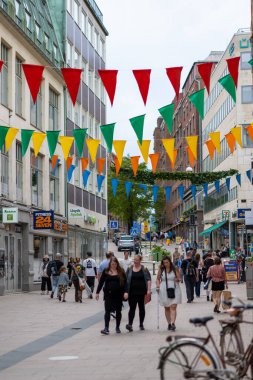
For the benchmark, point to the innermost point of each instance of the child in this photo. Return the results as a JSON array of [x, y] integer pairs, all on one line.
[[63, 283]]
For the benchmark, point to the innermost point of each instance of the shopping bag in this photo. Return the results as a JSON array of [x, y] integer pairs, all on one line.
[[226, 296], [87, 288], [81, 283]]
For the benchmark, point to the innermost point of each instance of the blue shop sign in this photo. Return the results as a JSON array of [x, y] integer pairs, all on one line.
[[43, 220], [241, 212]]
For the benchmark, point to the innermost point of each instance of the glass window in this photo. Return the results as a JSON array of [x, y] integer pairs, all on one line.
[[54, 188], [28, 20], [19, 172], [77, 114], [17, 8], [36, 111], [90, 32], [84, 23], [96, 40], [69, 54], [36, 179], [38, 31], [91, 79], [247, 94], [85, 71], [69, 107], [4, 75], [77, 60], [4, 172], [53, 110], [97, 85], [55, 51], [47, 42], [84, 119], [76, 12], [18, 86], [69, 6], [245, 57]]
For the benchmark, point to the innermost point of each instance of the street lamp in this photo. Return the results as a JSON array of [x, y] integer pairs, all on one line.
[[189, 169]]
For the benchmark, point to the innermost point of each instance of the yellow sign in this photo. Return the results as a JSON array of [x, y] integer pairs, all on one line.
[[178, 239], [145, 229]]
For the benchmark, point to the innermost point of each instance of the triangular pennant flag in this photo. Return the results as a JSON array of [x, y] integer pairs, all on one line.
[[205, 70], [11, 134], [238, 179], [84, 162], [70, 172], [33, 74], [190, 156], [52, 139], [69, 162], [249, 174], [119, 146], [100, 179], [228, 84], [237, 133], [167, 193], [26, 135], [144, 148], [3, 133], [72, 79], [154, 157], [114, 182], [143, 79], [174, 159], [181, 191], [66, 144], [217, 186], [135, 163], [117, 165], [86, 174], [169, 147], [192, 142], [128, 186], [109, 79], [249, 129], [57, 163], [211, 148], [143, 187], [233, 65], [231, 141], [54, 160], [137, 123], [174, 75], [107, 131], [205, 188], [38, 139], [79, 136], [155, 192], [167, 115], [215, 137], [92, 148], [1, 65], [228, 183], [197, 99], [251, 62], [100, 164], [193, 191]]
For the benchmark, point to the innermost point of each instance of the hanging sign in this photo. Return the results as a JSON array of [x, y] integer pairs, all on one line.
[[43, 220], [10, 215], [76, 212]]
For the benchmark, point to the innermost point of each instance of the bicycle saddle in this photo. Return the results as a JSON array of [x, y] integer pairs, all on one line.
[[200, 321]]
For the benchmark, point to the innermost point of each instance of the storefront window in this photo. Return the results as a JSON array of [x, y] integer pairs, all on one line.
[[39, 246]]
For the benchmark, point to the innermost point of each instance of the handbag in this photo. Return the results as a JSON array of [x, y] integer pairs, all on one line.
[[170, 291], [81, 283]]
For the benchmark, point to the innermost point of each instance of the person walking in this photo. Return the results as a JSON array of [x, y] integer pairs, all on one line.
[[217, 273], [198, 282], [138, 285], [45, 279], [113, 280], [104, 264], [63, 284], [207, 263], [77, 271], [90, 267], [53, 270], [126, 262], [167, 286], [190, 273]]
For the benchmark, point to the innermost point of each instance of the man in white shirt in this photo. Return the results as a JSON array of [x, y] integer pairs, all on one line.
[[90, 266], [126, 262]]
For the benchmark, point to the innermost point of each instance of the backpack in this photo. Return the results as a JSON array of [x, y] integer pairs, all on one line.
[[190, 269], [51, 268]]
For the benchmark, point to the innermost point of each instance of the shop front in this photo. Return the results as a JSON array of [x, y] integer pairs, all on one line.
[[216, 235]]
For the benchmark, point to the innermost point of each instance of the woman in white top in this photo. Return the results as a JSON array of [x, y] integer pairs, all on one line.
[[167, 269]]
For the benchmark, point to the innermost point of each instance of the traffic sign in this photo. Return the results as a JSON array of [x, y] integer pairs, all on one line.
[[114, 224]]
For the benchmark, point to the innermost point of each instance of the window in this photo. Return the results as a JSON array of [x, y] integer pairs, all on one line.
[[18, 87], [84, 119], [36, 111], [28, 20], [54, 188], [36, 179], [69, 54], [4, 75], [76, 12], [84, 23], [53, 110], [90, 32], [18, 9], [91, 79], [91, 127], [77, 114], [69, 6], [38, 31], [77, 64], [97, 85], [55, 51], [245, 57], [4, 172], [47, 42], [85, 71], [19, 173], [246, 140], [69, 108], [96, 40], [247, 94], [102, 49]]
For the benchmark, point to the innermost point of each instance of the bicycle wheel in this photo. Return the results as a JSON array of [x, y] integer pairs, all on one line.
[[232, 350], [187, 360]]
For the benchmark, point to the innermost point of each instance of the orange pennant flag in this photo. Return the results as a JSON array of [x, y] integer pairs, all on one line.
[[117, 165], [54, 160], [84, 162], [154, 157], [231, 142], [249, 129], [190, 156], [100, 164], [211, 148], [135, 163], [175, 157], [69, 162]]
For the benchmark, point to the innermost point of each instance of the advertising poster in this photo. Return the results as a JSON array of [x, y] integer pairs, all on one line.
[[43, 220], [231, 269]]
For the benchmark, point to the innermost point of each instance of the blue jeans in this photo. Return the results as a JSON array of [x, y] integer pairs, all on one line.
[[55, 284], [197, 288]]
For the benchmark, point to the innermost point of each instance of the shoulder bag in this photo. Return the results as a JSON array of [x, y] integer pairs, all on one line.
[[170, 291]]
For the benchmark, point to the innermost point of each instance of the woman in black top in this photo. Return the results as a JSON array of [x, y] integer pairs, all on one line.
[[113, 280]]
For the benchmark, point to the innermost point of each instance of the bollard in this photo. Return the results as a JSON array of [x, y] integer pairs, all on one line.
[[153, 267]]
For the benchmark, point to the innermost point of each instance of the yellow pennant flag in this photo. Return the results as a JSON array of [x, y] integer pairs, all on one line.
[[169, 147], [237, 133], [66, 144], [92, 148], [144, 148], [11, 134], [215, 137], [38, 139], [119, 146], [192, 142]]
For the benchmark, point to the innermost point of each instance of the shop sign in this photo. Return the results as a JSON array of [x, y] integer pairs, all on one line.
[[145, 227], [241, 212], [231, 270], [249, 218], [76, 212], [43, 220], [225, 214], [10, 215], [60, 226]]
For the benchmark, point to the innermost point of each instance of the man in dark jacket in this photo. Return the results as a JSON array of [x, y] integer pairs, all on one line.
[[189, 269], [54, 271]]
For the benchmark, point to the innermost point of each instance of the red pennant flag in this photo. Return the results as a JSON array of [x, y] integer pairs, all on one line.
[[33, 74], [143, 79], [174, 75], [54, 161], [109, 79], [72, 79], [69, 162], [233, 65], [1, 65], [205, 70]]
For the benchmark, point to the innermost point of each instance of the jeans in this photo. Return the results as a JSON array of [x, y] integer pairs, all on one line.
[[189, 284], [78, 291], [197, 288], [91, 282], [55, 280], [133, 301]]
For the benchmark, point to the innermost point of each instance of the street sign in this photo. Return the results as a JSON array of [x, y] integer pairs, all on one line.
[[225, 214], [114, 224], [241, 212]]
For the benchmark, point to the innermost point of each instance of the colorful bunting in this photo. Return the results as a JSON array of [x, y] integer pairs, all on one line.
[[192, 142], [84, 162], [38, 139], [119, 146], [155, 192], [109, 79], [143, 187], [128, 186], [205, 188], [79, 136], [233, 65], [144, 148], [228, 183], [70, 172], [211, 148], [108, 131], [11, 134], [3, 132], [143, 80], [174, 75], [205, 70], [52, 139], [249, 129], [1, 65], [72, 79], [174, 159], [237, 133], [100, 165], [215, 137], [86, 174], [238, 179], [66, 143], [137, 123], [114, 182], [33, 74], [54, 160], [69, 162], [190, 156], [197, 99], [231, 141], [167, 115], [26, 135], [117, 165], [154, 157], [181, 191], [56, 166], [135, 163], [92, 148], [100, 179], [169, 147], [228, 84], [167, 193], [193, 191], [217, 186]]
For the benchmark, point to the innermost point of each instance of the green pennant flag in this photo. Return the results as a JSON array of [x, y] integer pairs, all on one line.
[[26, 135], [137, 124], [3, 133], [79, 136], [229, 85], [197, 99], [251, 62], [52, 139], [107, 131], [167, 114]]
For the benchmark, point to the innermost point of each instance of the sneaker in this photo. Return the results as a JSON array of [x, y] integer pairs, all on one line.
[[91, 296], [169, 326], [129, 328], [52, 295], [63, 300], [80, 301], [118, 331], [59, 298], [189, 301], [208, 298], [173, 327], [142, 328], [105, 331], [215, 308], [42, 293]]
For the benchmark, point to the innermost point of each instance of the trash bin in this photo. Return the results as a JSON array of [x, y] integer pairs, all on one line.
[[249, 282]]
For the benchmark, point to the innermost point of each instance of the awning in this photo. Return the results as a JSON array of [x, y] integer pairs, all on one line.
[[212, 228]]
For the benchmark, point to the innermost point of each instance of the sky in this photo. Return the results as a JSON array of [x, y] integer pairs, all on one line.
[[148, 34]]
